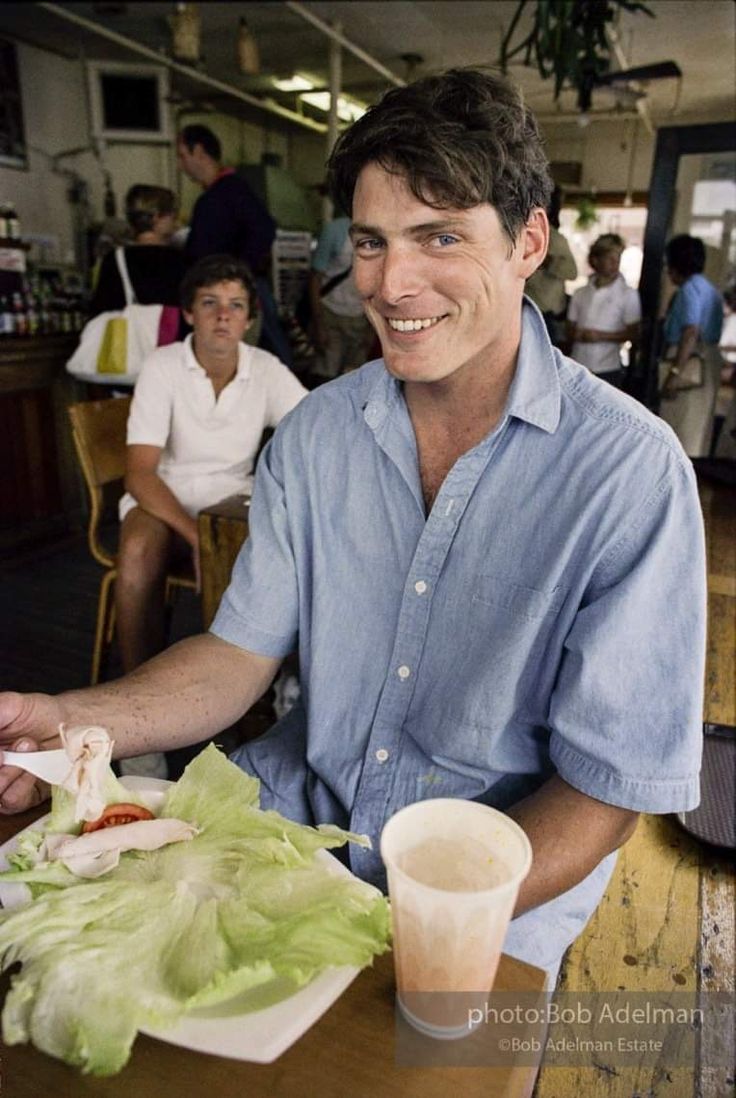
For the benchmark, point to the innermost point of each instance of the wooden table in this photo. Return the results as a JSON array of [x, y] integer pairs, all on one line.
[[350, 1051], [222, 530]]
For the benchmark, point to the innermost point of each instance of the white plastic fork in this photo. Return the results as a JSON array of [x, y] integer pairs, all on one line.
[[51, 766]]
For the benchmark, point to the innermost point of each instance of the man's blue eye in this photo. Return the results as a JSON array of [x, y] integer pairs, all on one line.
[[446, 238]]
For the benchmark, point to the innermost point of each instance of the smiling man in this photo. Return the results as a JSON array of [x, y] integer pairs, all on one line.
[[491, 563]]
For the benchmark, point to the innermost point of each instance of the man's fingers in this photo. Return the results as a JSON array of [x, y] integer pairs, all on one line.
[[18, 788], [11, 711], [22, 791]]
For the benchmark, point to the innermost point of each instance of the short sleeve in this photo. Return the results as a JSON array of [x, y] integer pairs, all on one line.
[[690, 305], [149, 422], [632, 307], [626, 712], [260, 610], [284, 392]]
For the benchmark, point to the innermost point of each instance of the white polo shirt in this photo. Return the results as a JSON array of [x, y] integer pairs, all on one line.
[[208, 444], [608, 308]]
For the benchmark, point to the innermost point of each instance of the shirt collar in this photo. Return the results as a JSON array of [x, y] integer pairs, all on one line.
[[591, 282], [534, 395], [221, 175], [244, 360]]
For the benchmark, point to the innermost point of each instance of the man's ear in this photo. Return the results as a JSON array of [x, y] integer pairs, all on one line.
[[189, 317], [533, 243]]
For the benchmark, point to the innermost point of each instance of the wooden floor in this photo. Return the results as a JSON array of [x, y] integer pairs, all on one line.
[[48, 607]]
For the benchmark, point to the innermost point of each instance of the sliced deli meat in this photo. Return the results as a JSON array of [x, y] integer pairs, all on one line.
[[89, 750], [97, 852]]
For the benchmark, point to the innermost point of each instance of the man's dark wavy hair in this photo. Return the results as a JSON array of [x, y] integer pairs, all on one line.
[[212, 269], [460, 138]]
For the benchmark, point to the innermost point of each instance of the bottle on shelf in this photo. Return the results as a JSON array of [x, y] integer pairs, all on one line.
[[4, 221], [32, 314], [19, 315], [12, 223], [7, 320]]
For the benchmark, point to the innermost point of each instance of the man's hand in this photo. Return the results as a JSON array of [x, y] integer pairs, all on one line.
[[28, 722]]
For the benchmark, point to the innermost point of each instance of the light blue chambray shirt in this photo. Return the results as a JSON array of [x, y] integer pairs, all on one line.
[[548, 615]]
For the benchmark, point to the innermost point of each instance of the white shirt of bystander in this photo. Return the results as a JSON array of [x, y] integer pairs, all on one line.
[[209, 444], [609, 309]]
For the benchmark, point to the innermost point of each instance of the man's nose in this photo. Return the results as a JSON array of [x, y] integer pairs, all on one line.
[[400, 275]]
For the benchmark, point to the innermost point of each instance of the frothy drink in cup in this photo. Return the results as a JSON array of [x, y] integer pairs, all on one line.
[[454, 869]]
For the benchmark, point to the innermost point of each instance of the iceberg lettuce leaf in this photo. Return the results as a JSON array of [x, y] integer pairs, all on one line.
[[243, 910]]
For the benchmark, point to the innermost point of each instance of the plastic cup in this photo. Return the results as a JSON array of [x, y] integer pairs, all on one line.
[[454, 870]]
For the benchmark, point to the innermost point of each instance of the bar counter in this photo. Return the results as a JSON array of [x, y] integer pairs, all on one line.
[[40, 489]]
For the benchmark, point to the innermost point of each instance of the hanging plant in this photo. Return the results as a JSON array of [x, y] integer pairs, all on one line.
[[587, 214], [568, 41]]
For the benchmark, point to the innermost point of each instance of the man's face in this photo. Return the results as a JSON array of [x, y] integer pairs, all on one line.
[[187, 160], [606, 265], [220, 317], [442, 287]]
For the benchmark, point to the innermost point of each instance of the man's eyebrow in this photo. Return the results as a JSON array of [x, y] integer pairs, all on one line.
[[357, 229], [441, 225]]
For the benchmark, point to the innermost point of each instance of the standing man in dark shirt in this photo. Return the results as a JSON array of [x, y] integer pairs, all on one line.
[[229, 218]]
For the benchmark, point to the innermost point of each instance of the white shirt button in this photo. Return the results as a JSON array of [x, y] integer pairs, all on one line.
[[382, 754], [404, 671], [420, 587]]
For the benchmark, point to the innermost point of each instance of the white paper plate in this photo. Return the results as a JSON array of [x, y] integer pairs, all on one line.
[[260, 1036]]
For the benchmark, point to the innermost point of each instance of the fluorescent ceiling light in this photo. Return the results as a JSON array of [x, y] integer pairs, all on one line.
[[349, 110], [294, 83]]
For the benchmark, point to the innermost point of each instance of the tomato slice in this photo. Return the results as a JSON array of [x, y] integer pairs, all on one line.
[[117, 814]]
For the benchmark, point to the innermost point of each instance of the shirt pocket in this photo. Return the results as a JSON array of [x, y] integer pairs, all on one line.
[[528, 604], [517, 626]]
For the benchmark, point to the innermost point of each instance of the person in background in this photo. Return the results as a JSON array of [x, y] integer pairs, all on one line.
[[724, 428], [341, 329], [694, 317], [199, 410], [546, 287], [155, 267], [229, 219], [604, 314], [692, 360], [491, 563]]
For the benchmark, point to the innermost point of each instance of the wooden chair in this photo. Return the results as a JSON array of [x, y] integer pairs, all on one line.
[[98, 430]]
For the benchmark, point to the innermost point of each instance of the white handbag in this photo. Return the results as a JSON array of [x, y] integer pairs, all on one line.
[[118, 342]]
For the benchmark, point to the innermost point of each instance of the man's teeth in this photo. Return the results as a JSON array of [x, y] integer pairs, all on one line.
[[412, 325]]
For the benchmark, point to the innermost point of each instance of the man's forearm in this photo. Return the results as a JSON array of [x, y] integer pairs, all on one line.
[[191, 691], [686, 346], [570, 834]]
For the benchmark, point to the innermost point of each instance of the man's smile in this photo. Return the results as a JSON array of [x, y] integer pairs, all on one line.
[[412, 324]]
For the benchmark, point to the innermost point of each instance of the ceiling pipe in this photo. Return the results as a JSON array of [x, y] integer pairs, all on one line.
[[585, 118], [642, 107], [337, 36], [186, 70]]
